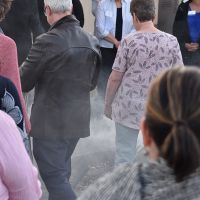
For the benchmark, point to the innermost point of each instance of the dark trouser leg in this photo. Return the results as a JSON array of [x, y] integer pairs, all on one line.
[[52, 159], [68, 168], [108, 57]]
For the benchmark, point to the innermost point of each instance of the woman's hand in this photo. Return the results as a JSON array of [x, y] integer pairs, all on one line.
[[108, 111], [117, 43], [192, 46], [110, 38], [113, 84]]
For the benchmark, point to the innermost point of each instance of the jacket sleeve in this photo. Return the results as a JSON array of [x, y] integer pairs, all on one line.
[[180, 29], [9, 68], [95, 74], [33, 67], [78, 11], [35, 23], [96, 71]]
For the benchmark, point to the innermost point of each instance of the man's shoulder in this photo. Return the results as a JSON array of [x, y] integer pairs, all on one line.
[[60, 40], [46, 38]]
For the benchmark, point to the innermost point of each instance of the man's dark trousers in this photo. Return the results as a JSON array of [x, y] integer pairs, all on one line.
[[53, 159]]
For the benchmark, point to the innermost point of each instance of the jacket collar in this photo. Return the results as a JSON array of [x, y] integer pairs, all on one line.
[[68, 18]]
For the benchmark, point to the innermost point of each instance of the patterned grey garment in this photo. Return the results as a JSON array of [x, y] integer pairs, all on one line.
[[150, 181], [141, 57], [8, 105]]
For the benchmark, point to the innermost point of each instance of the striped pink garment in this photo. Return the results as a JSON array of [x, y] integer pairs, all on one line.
[[18, 177]]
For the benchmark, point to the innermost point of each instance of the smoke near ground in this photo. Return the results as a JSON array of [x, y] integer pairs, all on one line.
[[94, 156]]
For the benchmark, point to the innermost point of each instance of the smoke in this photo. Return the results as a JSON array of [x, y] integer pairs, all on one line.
[[94, 155], [102, 129]]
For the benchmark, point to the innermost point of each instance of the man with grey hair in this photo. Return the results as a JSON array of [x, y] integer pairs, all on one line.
[[63, 66]]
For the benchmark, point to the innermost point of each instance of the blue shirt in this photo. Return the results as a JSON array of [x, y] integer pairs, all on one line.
[[194, 25]]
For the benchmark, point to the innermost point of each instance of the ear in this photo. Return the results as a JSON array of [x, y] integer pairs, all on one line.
[[48, 11], [145, 132], [135, 18]]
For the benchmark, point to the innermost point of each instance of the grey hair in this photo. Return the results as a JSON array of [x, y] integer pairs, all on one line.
[[143, 9], [59, 5]]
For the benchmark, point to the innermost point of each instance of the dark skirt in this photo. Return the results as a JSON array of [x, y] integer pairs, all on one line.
[[191, 58]]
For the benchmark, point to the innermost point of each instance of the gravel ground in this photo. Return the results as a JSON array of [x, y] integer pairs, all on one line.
[[92, 175]]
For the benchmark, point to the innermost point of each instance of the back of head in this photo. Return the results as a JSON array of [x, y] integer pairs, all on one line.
[[143, 9], [4, 8], [59, 6], [173, 119]]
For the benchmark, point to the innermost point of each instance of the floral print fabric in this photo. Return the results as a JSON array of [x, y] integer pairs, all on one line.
[[141, 57], [10, 103]]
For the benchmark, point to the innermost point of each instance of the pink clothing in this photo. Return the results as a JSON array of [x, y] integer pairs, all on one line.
[[9, 69], [141, 57], [18, 177]]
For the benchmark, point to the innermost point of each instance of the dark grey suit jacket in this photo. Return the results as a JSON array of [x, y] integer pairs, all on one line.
[[63, 66]]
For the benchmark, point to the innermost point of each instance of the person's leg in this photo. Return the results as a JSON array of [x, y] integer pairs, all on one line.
[[51, 158], [108, 56], [71, 144], [126, 139]]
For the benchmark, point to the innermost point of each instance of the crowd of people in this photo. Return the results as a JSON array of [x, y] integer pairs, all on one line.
[[139, 71]]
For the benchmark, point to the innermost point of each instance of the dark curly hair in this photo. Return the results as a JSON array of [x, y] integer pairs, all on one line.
[[4, 8]]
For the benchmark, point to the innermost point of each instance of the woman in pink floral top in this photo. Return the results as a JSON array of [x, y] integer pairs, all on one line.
[[141, 56]]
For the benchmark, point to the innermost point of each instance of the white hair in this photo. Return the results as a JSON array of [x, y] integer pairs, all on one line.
[[59, 5]]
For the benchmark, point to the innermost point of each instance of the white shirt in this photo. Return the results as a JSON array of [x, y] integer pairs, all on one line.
[[94, 6], [106, 20]]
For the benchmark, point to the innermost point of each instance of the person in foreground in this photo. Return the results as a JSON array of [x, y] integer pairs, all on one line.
[[171, 138], [18, 177], [63, 65]]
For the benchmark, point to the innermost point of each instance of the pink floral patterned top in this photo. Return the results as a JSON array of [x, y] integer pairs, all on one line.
[[141, 57]]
